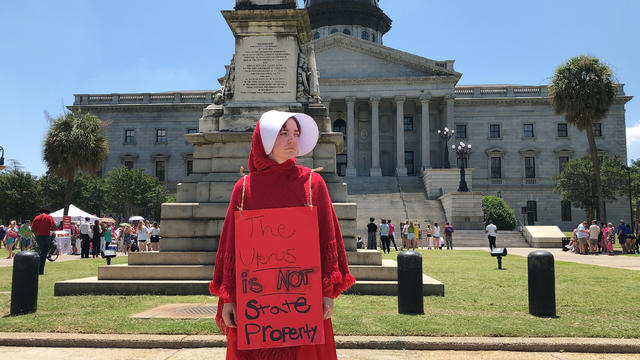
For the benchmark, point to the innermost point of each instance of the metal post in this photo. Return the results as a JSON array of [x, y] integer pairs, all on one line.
[[410, 283], [542, 283], [24, 283]]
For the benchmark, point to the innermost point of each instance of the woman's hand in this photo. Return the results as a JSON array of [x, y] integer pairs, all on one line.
[[229, 314], [327, 308]]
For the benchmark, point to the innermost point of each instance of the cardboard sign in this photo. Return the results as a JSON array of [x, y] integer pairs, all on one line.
[[278, 278], [66, 222]]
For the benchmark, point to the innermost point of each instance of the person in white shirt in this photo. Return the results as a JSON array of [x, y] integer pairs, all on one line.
[[384, 236], [155, 236], [142, 233], [491, 231], [85, 232]]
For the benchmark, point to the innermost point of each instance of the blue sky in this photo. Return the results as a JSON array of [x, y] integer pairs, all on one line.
[[53, 49]]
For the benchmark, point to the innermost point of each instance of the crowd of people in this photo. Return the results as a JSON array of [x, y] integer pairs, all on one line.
[[597, 239], [88, 238], [412, 236]]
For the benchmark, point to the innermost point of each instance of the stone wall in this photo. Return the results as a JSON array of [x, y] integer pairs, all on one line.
[[441, 181], [463, 210]]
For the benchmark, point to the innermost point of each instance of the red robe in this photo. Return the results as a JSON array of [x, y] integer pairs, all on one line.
[[273, 185]]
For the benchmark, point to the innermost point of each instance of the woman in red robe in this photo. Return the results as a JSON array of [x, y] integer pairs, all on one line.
[[275, 181]]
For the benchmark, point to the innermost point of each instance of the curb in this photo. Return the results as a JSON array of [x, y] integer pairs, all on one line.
[[140, 341]]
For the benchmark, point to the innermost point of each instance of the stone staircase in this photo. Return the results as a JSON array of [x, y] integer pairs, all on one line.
[[388, 197], [478, 238]]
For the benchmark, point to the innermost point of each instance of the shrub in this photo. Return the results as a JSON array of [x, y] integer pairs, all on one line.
[[497, 210]]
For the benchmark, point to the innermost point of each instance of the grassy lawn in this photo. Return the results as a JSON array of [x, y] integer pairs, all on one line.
[[479, 301]]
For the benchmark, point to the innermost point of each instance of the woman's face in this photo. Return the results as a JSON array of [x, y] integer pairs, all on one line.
[[286, 145]]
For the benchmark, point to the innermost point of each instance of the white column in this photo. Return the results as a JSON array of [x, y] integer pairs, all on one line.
[[425, 139], [351, 139], [375, 137], [450, 123], [400, 169]]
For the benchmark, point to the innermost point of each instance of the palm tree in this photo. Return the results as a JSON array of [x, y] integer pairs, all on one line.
[[584, 89], [74, 142]]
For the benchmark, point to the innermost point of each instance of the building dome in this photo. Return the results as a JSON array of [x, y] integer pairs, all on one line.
[[361, 18]]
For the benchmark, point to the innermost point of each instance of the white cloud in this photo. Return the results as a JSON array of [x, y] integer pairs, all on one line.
[[633, 134]]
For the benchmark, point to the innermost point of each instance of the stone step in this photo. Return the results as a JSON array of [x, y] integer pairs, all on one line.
[[359, 257], [171, 244], [173, 258], [155, 272], [430, 287], [93, 286], [386, 271]]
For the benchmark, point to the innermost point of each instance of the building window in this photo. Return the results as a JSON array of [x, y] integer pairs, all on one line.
[[316, 35], [364, 35], [408, 162], [562, 130], [161, 135], [532, 212], [597, 129], [562, 160], [346, 32], [192, 131], [373, 37], [461, 131], [565, 209], [462, 162], [129, 136], [128, 164], [530, 167], [408, 123], [496, 168], [189, 167], [334, 30], [527, 130], [494, 131], [160, 170]]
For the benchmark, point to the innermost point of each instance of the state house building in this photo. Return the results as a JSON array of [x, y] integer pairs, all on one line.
[[390, 105]]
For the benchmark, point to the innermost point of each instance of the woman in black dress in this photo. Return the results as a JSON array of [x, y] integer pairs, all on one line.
[[95, 241]]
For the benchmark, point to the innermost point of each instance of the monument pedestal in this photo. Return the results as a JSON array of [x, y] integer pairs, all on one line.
[[464, 210]]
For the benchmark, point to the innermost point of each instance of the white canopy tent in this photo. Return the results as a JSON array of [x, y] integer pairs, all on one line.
[[75, 213]]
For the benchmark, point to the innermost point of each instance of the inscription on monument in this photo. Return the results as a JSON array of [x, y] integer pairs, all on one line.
[[265, 69]]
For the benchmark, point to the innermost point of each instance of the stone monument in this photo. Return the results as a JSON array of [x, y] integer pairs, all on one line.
[[273, 68]]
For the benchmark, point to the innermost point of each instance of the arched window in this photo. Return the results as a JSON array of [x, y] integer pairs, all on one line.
[[346, 32], [364, 35], [373, 37], [340, 126], [334, 30], [316, 35]]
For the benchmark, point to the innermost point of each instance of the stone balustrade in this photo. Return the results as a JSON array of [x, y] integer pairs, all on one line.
[[191, 97], [508, 91]]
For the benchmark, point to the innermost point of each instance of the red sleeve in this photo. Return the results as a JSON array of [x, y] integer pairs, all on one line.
[[336, 277]]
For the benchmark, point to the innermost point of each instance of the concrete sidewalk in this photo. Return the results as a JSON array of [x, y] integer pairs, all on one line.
[[418, 343], [617, 261], [359, 354]]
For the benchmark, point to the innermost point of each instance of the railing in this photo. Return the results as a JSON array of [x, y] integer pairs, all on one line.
[[204, 97], [492, 91], [496, 181]]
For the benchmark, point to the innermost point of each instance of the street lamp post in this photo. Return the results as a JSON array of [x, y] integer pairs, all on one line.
[[463, 150], [2, 159], [46, 190], [633, 223], [445, 135]]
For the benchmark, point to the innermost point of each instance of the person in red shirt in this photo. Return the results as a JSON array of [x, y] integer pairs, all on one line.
[[42, 226]]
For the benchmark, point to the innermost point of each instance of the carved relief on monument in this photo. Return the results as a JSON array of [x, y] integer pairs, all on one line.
[[229, 80], [308, 88], [249, 4]]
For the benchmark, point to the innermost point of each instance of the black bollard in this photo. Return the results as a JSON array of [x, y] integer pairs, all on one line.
[[24, 283], [410, 283], [542, 284]]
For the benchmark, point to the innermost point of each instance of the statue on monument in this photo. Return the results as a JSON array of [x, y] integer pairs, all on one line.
[[229, 80]]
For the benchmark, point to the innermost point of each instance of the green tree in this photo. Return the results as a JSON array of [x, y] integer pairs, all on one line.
[[635, 187], [583, 89], [577, 184], [19, 194], [74, 142], [496, 209], [133, 192], [89, 193]]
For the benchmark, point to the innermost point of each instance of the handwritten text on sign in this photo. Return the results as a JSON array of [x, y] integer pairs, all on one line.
[[278, 278]]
